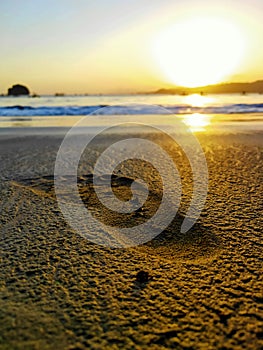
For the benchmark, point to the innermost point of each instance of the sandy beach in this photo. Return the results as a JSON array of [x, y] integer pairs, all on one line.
[[131, 175], [60, 291]]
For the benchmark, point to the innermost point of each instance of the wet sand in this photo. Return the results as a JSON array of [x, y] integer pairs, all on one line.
[[60, 291]]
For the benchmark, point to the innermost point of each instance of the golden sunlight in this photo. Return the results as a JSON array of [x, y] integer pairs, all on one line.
[[196, 100], [198, 51], [197, 122]]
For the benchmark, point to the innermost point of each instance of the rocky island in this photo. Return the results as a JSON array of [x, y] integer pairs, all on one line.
[[17, 90]]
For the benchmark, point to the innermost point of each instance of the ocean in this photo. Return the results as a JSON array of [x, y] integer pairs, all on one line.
[[200, 112]]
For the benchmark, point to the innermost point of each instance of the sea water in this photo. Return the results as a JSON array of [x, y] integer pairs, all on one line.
[[199, 112]]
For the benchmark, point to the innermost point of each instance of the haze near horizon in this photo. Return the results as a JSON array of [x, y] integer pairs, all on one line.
[[115, 47]]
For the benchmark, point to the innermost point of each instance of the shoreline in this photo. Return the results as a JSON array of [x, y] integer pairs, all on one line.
[[199, 124]]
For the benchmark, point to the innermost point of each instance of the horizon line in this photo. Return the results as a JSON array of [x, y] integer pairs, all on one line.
[[61, 94]]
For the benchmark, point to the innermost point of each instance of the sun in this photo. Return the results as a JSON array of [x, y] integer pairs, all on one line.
[[198, 51]]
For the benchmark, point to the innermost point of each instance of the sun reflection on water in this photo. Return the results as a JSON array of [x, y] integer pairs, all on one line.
[[197, 122], [197, 100]]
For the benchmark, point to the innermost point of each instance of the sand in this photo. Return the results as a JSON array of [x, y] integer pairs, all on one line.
[[60, 291]]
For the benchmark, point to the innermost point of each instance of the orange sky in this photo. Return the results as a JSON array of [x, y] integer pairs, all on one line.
[[111, 47]]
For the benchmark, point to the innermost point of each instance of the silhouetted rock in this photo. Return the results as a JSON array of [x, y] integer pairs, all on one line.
[[17, 90]]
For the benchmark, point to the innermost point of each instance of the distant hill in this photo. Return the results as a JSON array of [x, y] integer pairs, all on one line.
[[226, 88]]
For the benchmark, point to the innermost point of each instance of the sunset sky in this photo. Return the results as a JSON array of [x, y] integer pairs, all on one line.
[[111, 46]]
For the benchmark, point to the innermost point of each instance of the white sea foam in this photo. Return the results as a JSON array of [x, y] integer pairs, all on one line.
[[21, 110]]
